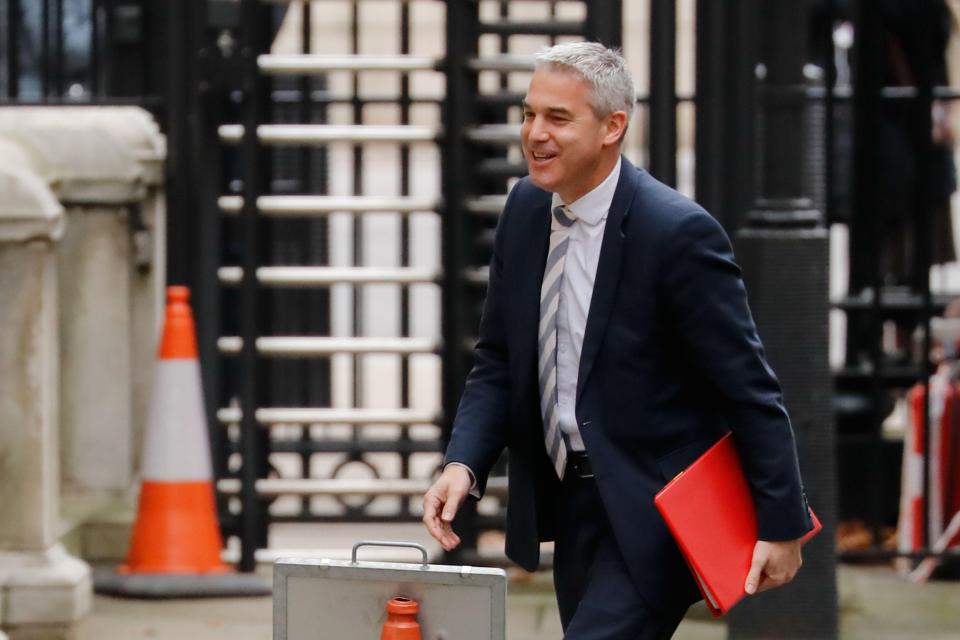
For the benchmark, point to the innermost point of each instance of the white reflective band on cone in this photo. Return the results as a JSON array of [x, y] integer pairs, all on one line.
[[176, 447]]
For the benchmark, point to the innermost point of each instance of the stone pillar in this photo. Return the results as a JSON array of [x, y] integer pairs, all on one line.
[[104, 165], [95, 332], [43, 590]]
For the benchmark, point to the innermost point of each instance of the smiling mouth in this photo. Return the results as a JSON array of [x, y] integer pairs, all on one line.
[[541, 157]]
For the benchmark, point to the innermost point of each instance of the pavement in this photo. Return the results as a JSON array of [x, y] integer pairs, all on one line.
[[531, 615], [875, 603]]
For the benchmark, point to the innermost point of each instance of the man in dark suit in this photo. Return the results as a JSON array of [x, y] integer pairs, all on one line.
[[616, 346]]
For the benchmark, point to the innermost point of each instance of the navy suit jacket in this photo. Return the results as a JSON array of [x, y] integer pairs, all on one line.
[[671, 360]]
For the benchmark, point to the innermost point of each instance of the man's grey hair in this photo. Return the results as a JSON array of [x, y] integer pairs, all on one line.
[[605, 70]]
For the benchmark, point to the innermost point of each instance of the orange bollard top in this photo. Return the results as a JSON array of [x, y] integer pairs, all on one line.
[[401, 621], [401, 605], [179, 339]]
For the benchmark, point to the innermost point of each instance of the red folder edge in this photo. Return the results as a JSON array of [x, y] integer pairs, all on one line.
[[731, 473]]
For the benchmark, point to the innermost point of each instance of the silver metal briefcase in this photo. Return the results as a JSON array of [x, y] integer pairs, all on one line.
[[346, 600]]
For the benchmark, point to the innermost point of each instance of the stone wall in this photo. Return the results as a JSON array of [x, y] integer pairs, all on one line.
[[81, 284]]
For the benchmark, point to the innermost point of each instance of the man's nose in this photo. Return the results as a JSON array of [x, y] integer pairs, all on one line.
[[537, 130]]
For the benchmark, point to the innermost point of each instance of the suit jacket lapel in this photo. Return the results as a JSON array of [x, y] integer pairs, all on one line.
[[608, 272], [529, 273]]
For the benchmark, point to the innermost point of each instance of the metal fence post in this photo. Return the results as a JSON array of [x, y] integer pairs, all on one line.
[[725, 137], [663, 91], [785, 236], [254, 39], [458, 183], [604, 22], [14, 19]]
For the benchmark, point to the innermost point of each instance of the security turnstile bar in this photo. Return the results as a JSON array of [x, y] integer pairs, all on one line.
[[320, 205], [313, 276], [281, 134], [330, 487], [346, 486], [298, 64], [503, 63], [331, 1], [477, 276], [272, 416], [298, 346], [490, 205], [397, 1], [527, 28], [499, 134]]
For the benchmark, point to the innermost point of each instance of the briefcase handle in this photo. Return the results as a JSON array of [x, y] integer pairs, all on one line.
[[382, 543]]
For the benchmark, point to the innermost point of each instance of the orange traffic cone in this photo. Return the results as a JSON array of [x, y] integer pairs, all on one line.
[[175, 545], [176, 529], [401, 621]]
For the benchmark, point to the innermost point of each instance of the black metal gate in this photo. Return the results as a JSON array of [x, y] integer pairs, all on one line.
[[892, 175], [485, 85], [278, 415], [275, 365]]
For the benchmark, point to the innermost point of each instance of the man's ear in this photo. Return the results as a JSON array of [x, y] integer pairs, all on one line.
[[616, 127]]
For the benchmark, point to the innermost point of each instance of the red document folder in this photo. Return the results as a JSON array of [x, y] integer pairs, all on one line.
[[710, 512]]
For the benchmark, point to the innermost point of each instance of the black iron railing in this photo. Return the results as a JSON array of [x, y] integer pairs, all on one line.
[[869, 123]]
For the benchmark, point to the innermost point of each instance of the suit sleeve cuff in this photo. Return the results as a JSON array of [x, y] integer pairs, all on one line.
[[474, 490], [787, 525]]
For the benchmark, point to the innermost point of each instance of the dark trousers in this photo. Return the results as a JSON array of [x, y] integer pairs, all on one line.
[[595, 593]]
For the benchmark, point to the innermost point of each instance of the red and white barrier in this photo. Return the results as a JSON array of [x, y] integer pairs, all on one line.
[[943, 471]]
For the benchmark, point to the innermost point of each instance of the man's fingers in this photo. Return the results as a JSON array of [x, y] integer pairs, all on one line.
[[766, 584], [774, 564], [441, 502], [454, 499], [775, 578], [443, 533], [436, 526], [431, 504], [431, 508], [451, 540], [771, 581], [753, 579], [756, 570]]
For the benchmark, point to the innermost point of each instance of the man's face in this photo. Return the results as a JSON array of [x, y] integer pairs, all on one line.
[[564, 142]]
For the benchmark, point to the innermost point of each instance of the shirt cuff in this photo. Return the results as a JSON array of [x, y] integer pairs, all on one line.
[[473, 478]]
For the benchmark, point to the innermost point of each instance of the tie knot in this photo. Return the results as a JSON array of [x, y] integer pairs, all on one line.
[[564, 216]]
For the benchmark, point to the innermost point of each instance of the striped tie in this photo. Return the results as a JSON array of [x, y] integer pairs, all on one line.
[[560, 225]]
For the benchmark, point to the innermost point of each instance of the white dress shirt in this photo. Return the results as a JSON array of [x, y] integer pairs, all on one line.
[[579, 273]]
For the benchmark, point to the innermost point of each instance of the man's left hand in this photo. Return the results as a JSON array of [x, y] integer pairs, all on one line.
[[774, 564]]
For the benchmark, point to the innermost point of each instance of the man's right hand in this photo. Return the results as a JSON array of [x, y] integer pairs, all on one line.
[[441, 501]]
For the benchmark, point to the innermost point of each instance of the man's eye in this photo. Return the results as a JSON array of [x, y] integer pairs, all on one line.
[[527, 115]]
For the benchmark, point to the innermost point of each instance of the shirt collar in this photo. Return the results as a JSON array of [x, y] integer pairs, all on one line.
[[593, 207]]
